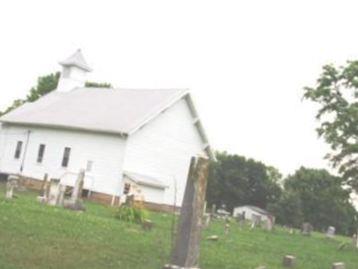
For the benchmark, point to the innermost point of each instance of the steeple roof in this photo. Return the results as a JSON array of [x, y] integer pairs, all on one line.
[[77, 60]]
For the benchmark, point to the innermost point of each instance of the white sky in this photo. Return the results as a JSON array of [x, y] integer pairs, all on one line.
[[246, 62]]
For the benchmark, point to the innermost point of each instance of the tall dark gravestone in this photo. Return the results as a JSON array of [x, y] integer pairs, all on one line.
[[187, 243]]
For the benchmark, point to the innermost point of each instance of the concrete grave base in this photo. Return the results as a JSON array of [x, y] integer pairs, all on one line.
[[289, 261], [77, 205], [338, 265], [171, 266]]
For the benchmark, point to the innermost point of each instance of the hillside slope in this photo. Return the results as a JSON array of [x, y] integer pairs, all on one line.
[[36, 236]]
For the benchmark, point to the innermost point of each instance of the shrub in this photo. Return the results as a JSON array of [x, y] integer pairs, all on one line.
[[131, 214]]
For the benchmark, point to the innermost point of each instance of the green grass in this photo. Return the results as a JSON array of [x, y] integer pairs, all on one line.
[[37, 236]]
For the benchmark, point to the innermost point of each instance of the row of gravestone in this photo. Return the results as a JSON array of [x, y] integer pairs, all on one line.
[[53, 192], [289, 261], [307, 229]]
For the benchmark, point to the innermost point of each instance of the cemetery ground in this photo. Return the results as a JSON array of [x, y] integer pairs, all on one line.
[[38, 236]]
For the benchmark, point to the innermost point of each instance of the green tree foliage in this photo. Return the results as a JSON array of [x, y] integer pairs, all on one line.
[[89, 84], [288, 209], [235, 180], [323, 200], [336, 93], [15, 104], [45, 84]]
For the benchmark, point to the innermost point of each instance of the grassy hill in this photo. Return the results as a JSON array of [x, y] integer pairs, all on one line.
[[37, 236]]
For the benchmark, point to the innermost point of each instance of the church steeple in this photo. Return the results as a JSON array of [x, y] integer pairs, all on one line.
[[74, 70]]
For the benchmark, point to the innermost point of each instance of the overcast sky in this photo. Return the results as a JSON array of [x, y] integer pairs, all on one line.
[[245, 62]]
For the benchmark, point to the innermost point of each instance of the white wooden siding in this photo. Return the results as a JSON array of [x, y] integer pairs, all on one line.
[[163, 148], [248, 213], [106, 152], [153, 195]]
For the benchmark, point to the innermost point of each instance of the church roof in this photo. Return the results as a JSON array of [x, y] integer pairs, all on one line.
[[77, 60], [145, 180], [112, 111], [119, 111]]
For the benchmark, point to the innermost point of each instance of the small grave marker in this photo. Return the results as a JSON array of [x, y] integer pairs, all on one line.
[[75, 202], [206, 220], [227, 228], [355, 240], [147, 225], [213, 238], [54, 192], [289, 261], [12, 183], [331, 232], [306, 229], [213, 210], [338, 265]]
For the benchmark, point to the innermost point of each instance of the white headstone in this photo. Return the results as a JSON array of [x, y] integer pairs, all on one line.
[[355, 240], [54, 192], [331, 232], [12, 183], [75, 203]]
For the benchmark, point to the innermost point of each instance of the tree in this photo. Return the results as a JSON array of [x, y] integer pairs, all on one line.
[[288, 209], [15, 104], [336, 93], [45, 85], [235, 180], [323, 200]]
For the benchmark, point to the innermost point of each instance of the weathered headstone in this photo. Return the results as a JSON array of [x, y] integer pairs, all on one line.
[[12, 183], [54, 191], [129, 200], [240, 218], [306, 229], [227, 228], [268, 224], [213, 210], [147, 225], [44, 185], [45, 190], [338, 265], [186, 248], [75, 202], [213, 238], [61, 195], [206, 220], [355, 240], [289, 261], [330, 232]]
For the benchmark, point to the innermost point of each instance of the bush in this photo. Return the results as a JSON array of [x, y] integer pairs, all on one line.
[[131, 214]]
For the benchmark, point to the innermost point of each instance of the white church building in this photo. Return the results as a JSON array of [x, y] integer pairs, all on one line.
[[125, 139]]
